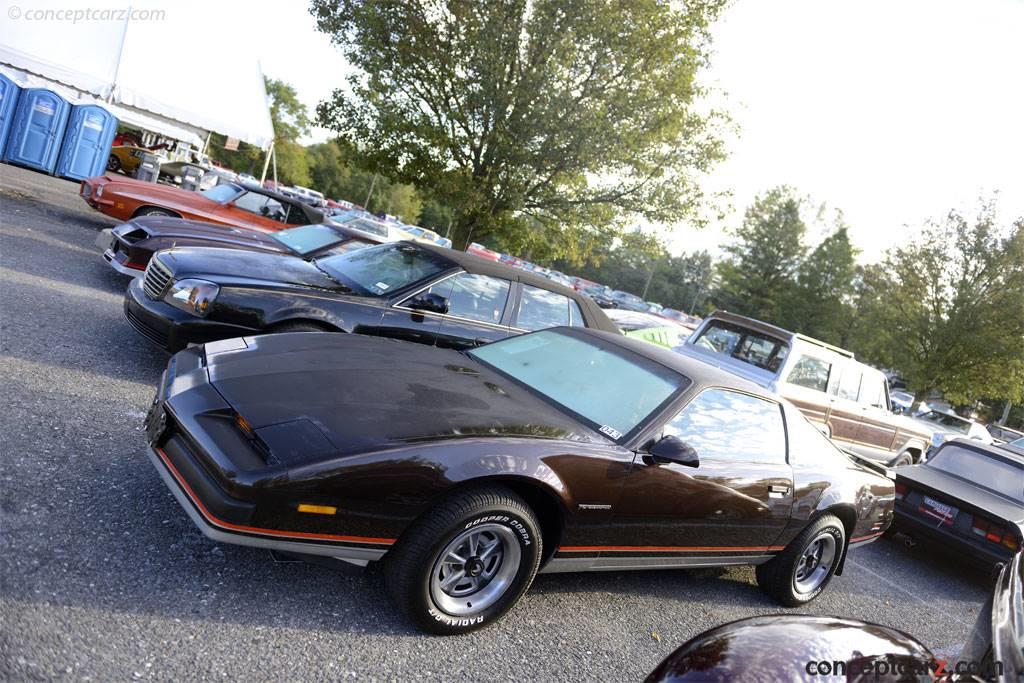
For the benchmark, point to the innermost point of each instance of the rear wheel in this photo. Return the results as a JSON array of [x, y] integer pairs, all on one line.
[[905, 458], [800, 573], [464, 564], [113, 163]]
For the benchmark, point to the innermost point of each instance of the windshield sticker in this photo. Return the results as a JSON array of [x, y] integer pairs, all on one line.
[[614, 433], [382, 286]]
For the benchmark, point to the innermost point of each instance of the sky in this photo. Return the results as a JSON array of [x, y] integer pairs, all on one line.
[[893, 112]]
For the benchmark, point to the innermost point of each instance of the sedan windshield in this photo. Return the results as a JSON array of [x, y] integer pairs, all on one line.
[[611, 388], [952, 422], [994, 474], [384, 268], [308, 238]]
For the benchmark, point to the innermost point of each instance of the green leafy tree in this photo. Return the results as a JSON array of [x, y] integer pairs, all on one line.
[[758, 276], [948, 310], [436, 216], [543, 124], [820, 303], [328, 171]]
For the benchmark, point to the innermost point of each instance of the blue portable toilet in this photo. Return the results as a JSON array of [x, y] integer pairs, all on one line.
[[87, 141], [37, 129], [9, 92]]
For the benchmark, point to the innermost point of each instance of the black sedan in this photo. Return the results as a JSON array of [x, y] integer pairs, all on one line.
[[968, 497], [468, 472], [403, 290], [129, 246]]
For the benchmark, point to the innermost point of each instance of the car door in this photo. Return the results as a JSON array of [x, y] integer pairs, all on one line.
[[844, 411], [876, 432], [477, 311], [733, 505]]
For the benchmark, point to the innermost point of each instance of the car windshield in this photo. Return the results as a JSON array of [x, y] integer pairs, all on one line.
[[743, 344], [995, 474], [957, 424], [222, 193], [384, 268], [611, 388], [308, 238]]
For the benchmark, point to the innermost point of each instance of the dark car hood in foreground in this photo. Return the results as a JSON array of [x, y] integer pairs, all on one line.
[[218, 265], [365, 392], [923, 476], [169, 227]]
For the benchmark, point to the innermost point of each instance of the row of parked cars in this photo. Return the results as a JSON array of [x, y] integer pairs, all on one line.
[[469, 424]]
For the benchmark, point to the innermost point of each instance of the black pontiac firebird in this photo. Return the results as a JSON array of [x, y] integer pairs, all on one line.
[[466, 473], [402, 290]]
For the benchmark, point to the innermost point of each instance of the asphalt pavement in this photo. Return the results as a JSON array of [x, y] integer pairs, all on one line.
[[103, 577]]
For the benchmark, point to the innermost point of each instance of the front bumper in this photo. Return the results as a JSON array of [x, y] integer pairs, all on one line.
[[170, 328], [223, 489]]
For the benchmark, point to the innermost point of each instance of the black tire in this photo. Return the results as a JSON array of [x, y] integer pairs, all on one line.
[[299, 327], [413, 569], [113, 163], [779, 576], [153, 211]]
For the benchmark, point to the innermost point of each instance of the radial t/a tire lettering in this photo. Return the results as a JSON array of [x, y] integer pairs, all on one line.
[[464, 564]]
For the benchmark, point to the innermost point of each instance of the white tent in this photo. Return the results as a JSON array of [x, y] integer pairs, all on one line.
[[153, 73]]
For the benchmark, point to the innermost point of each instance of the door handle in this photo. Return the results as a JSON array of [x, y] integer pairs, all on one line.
[[777, 490]]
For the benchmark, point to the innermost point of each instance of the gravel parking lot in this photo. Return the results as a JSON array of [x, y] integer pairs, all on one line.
[[105, 578]]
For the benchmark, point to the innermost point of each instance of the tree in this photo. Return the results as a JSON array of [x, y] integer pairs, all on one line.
[[948, 310], [819, 304], [328, 171], [542, 123], [758, 277]]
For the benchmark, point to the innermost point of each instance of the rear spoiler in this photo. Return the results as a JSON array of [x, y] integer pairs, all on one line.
[[869, 464]]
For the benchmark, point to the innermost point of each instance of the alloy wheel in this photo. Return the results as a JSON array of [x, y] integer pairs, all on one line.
[[815, 563], [475, 569]]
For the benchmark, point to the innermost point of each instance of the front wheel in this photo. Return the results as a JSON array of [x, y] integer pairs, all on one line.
[[113, 163], [905, 458], [466, 563], [800, 573]]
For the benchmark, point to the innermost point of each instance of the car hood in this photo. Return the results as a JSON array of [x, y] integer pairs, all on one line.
[[364, 393], [227, 265], [169, 227], [923, 477]]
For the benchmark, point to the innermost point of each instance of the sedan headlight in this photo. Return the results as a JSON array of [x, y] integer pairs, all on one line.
[[192, 296]]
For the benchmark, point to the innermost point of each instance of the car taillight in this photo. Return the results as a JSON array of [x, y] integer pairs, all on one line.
[[993, 532], [901, 491]]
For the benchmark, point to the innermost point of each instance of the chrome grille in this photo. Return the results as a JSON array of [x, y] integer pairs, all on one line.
[[158, 277]]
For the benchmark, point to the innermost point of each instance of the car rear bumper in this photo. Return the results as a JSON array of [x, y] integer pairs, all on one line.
[[926, 532], [171, 328]]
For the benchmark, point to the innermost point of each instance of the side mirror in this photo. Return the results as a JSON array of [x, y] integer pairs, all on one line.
[[674, 449], [434, 303]]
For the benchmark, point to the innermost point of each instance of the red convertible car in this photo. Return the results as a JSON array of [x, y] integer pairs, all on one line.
[[225, 204]]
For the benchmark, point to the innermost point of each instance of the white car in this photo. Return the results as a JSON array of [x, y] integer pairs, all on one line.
[[949, 425]]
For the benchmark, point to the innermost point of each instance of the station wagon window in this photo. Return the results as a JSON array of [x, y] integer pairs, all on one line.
[[810, 372], [540, 308], [727, 425], [475, 297], [849, 384], [743, 344], [872, 391]]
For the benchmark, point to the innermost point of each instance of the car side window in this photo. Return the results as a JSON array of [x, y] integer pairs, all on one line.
[[727, 425], [849, 383], [810, 372], [872, 391], [476, 297], [251, 202], [540, 308], [576, 318]]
